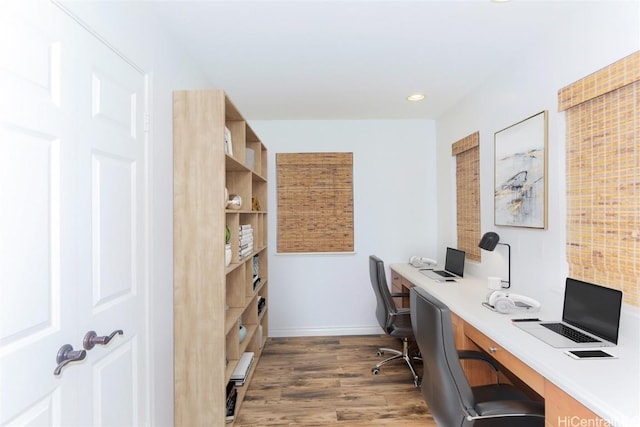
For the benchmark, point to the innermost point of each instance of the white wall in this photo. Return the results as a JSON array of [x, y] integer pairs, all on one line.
[[394, 217], [137, 36], [603, 33]]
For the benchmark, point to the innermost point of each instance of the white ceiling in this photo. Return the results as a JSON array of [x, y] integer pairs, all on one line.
[[355, 59]]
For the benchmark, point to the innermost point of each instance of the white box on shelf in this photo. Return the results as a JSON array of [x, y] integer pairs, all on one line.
[[228, 146], [250, 158]]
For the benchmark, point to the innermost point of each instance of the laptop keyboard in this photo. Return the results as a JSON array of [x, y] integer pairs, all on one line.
[[444, 273], [568, 332]]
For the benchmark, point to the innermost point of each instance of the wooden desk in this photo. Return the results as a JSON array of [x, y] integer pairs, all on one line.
[[595, 393]]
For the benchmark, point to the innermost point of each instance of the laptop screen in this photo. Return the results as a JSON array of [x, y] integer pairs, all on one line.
[[594, 308], [454, 261]]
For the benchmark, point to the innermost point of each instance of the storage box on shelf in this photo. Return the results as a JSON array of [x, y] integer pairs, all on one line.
[[211, 299]]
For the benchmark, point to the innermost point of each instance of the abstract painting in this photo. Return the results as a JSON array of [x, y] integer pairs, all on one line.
[[520, 197]]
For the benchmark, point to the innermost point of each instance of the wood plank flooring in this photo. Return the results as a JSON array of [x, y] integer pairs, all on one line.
[[327, 381]]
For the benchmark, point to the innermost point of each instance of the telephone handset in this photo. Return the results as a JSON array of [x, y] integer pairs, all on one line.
[[506, 302], [422, 262]]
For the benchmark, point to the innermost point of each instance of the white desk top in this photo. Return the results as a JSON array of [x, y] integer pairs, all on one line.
[[610, 388]]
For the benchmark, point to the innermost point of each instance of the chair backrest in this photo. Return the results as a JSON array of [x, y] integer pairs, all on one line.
[[385, 306], [444, 385]]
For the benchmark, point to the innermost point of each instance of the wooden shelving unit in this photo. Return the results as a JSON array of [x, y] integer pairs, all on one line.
[[212, 299]]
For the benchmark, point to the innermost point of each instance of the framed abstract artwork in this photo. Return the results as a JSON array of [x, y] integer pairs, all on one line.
[[520, 179]]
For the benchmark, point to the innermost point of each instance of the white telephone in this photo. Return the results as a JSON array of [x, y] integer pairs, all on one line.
[[505, 303], [422, 262]]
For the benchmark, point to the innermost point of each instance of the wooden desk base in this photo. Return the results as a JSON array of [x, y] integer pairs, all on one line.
[[561, 410]]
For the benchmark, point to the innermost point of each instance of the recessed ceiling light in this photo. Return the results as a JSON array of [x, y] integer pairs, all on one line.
[[415, 97]]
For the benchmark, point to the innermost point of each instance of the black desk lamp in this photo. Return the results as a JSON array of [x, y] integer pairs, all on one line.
[[489, 242]]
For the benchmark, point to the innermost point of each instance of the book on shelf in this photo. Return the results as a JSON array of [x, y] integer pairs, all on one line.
[[241, 372], [245, 226], [232, 395], [246, 251], [246, 246], [256, 265]]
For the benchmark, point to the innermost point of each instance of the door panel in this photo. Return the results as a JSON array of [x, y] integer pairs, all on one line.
[[115, 375], [44, 412], [114, 102], [30, 231], [114, 250]]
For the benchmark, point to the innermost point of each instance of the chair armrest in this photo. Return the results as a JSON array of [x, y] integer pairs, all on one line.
[[477, 355]]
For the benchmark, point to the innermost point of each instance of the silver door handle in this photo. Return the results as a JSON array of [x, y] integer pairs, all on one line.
[[66, 354], [91, 339]]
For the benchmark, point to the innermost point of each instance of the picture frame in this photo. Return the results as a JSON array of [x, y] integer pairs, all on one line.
[[520, 173]]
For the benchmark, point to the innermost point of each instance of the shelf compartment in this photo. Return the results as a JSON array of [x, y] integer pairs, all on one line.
[[250, 314], [238, 138], [264, 321], [259, 192], [239, 182], [264, 160], [231, 164], [262, 265], [249, 292], [232, 315], [244, 345], [232, 340], [233, 222], [235, 288], [256, 147]]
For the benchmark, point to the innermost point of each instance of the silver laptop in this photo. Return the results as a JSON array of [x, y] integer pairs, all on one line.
[[453, 267], [590, 318]]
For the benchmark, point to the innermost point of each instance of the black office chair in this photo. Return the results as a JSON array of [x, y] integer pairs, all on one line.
[[451, 401], [395, 322]]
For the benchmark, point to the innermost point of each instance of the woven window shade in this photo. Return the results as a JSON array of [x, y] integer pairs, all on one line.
[[468, 194], [603, 177], [315, 202]]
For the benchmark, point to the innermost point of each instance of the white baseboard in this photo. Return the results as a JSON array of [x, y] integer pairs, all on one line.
[[325, 332]]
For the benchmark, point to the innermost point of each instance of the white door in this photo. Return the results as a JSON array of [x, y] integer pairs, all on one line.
[[73, 223]]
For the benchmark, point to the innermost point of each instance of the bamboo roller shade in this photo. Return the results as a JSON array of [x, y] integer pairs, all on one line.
[[467, 155], [603, 177], [315, 202]]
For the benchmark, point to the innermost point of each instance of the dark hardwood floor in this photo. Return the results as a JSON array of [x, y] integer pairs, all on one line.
[[327, 381]]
